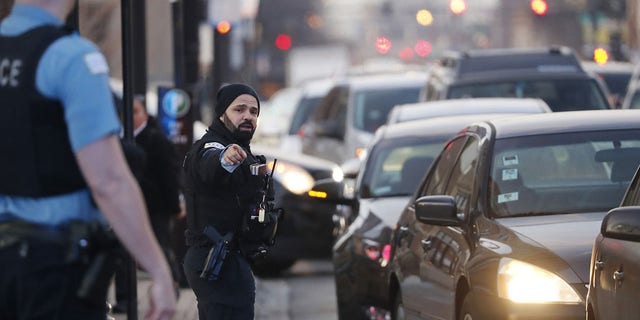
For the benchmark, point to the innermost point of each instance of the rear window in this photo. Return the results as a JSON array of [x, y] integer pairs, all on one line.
[[560, 95], [373, 106], [305, 108]]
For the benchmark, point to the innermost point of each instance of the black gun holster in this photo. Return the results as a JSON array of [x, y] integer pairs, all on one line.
[[98, 248], [217, 253]]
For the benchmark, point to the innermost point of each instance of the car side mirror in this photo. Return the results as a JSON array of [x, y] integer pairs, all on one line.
[[331, 191], [437, 210], [622, 223]]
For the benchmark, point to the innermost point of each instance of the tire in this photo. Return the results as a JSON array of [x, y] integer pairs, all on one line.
[[465, 309], [398, 308]]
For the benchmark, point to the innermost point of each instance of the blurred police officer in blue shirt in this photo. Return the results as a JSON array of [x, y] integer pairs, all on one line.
[[62, 163]]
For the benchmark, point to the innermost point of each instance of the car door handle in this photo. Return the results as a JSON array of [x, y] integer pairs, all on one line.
[[599, 265], [426, 244], [618, 276]]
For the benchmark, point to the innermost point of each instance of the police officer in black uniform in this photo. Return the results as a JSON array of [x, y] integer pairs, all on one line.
[[221, 192]]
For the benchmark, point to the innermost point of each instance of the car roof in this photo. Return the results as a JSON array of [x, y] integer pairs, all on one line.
[[547, 59], [439, 108], [610, 67], [441, 126], [562, 122], [317, 87], [386, 80]]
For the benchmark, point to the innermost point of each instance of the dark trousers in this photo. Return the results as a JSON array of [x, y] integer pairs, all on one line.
[[37, 283], [231, 297]]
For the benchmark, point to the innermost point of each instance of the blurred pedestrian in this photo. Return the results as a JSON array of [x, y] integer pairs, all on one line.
[[5, 8], [63, 176], [159, 183], [223, 197]]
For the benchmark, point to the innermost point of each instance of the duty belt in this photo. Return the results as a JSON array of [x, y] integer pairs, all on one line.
[[15, 231]]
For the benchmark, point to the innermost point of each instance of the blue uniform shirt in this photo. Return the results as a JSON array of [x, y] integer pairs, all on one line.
[[73, 71]]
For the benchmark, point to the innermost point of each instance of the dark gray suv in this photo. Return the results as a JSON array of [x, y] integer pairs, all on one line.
[[553, 74]]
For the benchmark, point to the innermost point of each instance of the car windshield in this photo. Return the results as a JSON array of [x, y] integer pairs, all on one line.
[[373, 106], [560, 95], [305, 108], [562, 173], [395, 167]]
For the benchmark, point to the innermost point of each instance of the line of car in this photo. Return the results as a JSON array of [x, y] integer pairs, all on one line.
[[332, 120], [500, 226]]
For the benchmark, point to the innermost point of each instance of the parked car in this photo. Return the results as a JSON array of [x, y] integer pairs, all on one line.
[[502, 225], [614, 279], [275, 115], [616, 75], [344, 123], [312, 92], [306, 230], [396, 161], [432, 109], [553, 74]]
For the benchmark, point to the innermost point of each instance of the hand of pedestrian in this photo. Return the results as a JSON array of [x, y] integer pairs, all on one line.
[[234, 155], [162, 303]]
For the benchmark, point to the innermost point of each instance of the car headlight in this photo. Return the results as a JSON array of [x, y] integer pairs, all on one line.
[[292, 177], [523, 282]]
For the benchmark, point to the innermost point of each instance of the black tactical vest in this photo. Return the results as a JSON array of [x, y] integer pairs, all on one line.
[[37, 159]]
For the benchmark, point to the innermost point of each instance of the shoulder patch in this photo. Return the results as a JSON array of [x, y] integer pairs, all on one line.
[[96, 63], [215, 145]]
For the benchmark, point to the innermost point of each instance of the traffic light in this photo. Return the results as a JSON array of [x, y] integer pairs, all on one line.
[[383, 45], [600, 56], [457, 6], [539, 7], [223, 27], [283, 42], [424, 17]]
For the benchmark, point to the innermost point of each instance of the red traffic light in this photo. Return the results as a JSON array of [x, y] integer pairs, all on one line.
[[223, 27], [383, 45], [539, 7], [283, 42]]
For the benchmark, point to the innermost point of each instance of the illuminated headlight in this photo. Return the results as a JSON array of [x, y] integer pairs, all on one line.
[[523, 282], [337, 174], [294, 178]]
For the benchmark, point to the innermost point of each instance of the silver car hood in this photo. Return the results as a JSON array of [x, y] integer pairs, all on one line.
[[569, 236]]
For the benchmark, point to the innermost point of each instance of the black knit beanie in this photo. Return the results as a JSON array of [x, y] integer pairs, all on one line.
[[230, 92]]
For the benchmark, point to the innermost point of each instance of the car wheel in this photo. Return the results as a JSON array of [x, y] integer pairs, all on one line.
[[398, 308], [465, 310]]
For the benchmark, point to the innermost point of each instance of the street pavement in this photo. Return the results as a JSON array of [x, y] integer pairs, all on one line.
[[276, 299]]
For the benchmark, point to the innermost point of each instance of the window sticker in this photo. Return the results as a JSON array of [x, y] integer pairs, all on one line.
[[510, 160], [509, 174], [507, 197]]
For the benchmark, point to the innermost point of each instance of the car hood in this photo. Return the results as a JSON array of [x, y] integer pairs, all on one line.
[[568, 236]]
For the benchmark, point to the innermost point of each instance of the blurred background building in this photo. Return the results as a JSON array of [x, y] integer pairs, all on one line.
[[262, 42]]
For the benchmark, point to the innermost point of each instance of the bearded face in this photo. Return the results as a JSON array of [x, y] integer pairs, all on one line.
[[241, 117], [243, 132]]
